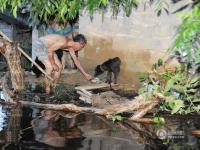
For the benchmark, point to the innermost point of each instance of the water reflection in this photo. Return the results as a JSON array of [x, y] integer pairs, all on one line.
[[2, 118], [37, 129], [53, 129]]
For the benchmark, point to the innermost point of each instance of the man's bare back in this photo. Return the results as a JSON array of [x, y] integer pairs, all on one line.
[[55, 42]]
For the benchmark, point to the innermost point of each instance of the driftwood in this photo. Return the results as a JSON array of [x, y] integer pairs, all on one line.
[[143, 120], [130, 106], [139, 103], [140, 113], [62, 107], [85, 96]]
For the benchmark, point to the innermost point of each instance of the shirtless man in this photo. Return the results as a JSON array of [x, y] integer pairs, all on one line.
[[45, 47]]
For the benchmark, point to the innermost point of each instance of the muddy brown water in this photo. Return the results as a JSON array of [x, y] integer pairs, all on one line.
[[36, 129]]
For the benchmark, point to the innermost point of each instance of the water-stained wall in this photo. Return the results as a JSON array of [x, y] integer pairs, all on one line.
[[139, 40]]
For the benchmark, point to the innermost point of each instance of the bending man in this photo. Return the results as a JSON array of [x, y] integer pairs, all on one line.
[[45, 48]]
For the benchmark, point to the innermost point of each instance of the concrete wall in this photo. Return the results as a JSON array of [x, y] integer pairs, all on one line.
[[6, 29], [138, 40]]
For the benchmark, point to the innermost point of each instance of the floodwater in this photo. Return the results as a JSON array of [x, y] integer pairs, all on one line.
[[24, 128], [36, 129]]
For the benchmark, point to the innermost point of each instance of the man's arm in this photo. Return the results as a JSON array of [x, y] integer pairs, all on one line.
[[78, 64]]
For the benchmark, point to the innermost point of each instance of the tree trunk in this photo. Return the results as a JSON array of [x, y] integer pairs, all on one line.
[[12, 56]]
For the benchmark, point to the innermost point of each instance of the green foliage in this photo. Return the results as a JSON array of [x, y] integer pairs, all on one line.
[[162, 6], [117, 118], [187, 40], [42, 10], [158, 120], [187, 43], [180, 89]]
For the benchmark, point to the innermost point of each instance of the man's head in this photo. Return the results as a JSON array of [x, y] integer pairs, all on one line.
[[79, 41]]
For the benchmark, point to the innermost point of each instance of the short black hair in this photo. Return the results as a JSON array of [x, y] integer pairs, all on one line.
[[80, 38]]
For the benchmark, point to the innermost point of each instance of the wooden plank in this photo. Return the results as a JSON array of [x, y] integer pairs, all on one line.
[[86, 100], [83, 94], [95, 86]]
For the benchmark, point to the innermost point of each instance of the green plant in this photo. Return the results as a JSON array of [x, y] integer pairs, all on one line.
[[117, 118], [187, 41], [63, 9], [180, 90], [158, 120]]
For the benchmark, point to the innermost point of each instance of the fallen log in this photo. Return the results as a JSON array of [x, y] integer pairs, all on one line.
[[140, 113], [143, 120], [61, 107], [130, 106]]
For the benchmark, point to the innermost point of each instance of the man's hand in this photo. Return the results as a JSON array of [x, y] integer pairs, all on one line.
[[88, 77], [55, 67]]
